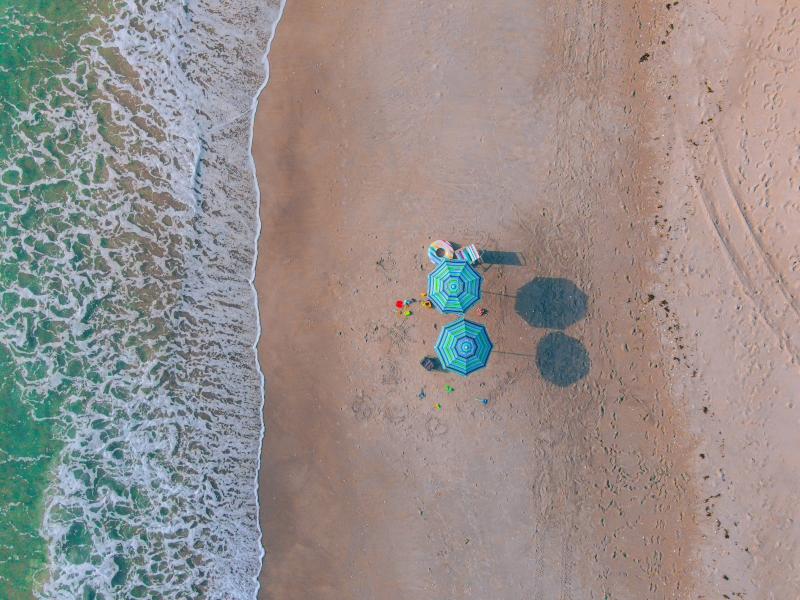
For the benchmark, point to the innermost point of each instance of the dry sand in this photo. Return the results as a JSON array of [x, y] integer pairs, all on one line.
[[571, 142], [731, 270]]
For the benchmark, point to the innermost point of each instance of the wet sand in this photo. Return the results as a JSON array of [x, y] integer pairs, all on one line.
[[553, 134]]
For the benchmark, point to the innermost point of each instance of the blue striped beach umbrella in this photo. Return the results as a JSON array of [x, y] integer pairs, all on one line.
[[463, 346], [454, 287]]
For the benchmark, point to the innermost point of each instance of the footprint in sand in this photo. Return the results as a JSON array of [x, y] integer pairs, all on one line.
[[396, 414], [391, 371], [362, 408], [436, 427]]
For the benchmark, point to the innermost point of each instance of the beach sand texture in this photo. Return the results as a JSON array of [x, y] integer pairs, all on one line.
[[637, 201], [731, 270]]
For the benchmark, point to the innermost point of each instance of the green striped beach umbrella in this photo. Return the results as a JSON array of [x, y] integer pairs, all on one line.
[[463, 346], [454, 287]]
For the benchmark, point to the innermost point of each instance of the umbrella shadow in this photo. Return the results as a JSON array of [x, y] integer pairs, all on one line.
[[551, 303], [562, 360], [499, 257]]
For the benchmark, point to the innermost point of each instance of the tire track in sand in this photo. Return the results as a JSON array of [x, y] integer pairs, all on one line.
[[760, 279]]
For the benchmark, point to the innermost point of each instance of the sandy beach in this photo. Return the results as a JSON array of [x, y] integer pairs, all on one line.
[[631, 170]]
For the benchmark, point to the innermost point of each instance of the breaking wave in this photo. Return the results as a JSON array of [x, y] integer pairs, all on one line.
[[127, 345]]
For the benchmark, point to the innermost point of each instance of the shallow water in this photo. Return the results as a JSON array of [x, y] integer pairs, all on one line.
[[130, 396]]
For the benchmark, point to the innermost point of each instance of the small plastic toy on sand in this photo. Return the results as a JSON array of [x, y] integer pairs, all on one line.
[[399, 304], [437, 406], [448, 388], [406, 313], [421, 394], [480, 311], [481, 400]]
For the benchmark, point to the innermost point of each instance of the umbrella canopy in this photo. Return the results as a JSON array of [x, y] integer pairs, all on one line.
[[463, 346], [454, 287]]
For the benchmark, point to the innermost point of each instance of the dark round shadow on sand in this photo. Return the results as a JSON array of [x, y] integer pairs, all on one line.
[[561, 359], [551, 303]]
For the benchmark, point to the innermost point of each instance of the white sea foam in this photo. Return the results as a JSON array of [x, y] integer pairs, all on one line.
[[153, 494], [254, 106]]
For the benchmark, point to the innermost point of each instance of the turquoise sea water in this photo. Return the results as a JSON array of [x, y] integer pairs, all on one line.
[[130, 396]]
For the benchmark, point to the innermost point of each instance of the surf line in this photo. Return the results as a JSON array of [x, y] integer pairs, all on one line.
[[253, 107]]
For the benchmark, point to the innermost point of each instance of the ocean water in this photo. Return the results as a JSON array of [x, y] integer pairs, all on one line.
[[130, 394]]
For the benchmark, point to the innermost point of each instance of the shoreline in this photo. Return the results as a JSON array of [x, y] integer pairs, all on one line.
[[256, 241]]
